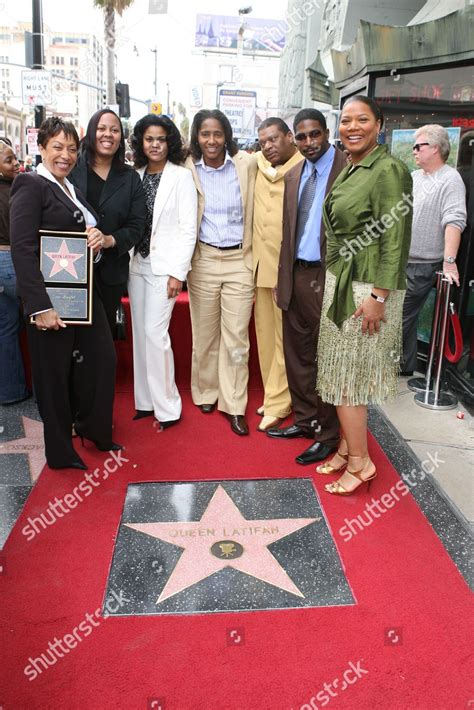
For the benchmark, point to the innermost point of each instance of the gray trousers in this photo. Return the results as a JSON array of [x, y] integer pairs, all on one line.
[[419, 283]]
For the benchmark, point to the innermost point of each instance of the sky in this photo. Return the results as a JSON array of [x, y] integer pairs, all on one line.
[[172, 34]]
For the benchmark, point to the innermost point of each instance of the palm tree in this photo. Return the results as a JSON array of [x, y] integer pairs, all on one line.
[[110, 7]]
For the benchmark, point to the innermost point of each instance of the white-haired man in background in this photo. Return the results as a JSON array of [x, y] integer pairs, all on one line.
[[439, 218]]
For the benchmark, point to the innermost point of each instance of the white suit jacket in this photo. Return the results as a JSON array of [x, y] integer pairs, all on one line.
[[173, 235]]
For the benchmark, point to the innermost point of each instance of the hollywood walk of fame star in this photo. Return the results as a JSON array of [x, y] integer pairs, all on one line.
[[223, 525], [63, 259], [31, 444]]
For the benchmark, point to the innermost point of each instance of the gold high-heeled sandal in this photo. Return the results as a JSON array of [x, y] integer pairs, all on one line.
[[326, 468], [336, 488]]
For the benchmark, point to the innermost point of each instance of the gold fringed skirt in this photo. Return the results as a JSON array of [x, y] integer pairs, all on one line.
[[354, 368]]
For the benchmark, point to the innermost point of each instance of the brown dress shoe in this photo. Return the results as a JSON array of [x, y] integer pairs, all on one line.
[[238, 424], [207, 408]]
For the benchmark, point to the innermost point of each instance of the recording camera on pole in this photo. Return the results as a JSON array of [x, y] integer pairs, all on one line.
[[122, 99]]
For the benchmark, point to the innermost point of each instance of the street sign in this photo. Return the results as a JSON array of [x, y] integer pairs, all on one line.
[[240, 109], [196, 97], [156, 108], [36, 87], [32, 141]]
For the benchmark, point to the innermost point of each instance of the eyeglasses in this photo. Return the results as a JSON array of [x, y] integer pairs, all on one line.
[[309, 134], [417, 146]]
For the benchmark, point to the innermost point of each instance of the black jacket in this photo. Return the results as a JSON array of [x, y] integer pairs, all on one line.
[[37, 203], [122, 211]]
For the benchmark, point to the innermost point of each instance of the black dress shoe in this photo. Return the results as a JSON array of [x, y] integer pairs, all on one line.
[[289, 432], [79, 464], [315, 452], [142, 413], [170, 422], [207, 408], [238, 424]]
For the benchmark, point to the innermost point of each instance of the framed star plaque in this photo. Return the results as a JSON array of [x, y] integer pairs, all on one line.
[[66, 263]]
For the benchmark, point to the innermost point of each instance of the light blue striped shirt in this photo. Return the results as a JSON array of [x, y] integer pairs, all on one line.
[[222, 223], [309, 247]]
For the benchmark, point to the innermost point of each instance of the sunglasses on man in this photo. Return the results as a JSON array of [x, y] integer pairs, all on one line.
[[417, 146], [310, 134]]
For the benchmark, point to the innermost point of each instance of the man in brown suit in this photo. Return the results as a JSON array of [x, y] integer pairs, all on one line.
[[300, 287]]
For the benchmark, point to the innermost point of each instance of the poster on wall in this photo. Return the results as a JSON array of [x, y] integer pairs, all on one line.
[[403, 140]]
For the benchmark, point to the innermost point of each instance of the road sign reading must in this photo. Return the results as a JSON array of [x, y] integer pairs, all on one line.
[[36, 87]]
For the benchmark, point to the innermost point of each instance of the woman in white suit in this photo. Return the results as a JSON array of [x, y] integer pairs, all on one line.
[[160, 263]]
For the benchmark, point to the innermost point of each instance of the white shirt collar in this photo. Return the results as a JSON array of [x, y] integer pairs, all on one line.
[[88, 216], [43, 170], [208, 167]]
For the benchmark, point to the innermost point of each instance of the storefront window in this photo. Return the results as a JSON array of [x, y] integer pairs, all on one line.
[[443, 96]]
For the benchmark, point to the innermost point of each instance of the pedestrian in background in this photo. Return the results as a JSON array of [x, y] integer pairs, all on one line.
[[439, 218], [12, 378]]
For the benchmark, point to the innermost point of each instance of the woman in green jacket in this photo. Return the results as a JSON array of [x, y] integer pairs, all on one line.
[[368, 230]]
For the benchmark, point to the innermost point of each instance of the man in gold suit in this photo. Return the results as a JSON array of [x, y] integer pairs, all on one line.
[[278, 155]]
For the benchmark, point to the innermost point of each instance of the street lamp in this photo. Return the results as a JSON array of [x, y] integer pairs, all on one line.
[[155, 51]]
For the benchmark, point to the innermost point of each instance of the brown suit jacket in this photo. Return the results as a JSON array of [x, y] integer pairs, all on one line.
[[290, 213]]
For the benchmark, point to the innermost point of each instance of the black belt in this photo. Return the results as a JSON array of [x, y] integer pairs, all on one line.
[[236, 246], [306, 264]]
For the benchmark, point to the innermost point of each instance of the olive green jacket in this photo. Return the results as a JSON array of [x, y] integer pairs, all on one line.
[[368, 216]]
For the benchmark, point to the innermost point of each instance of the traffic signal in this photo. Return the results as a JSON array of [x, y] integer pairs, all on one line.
[[122, 99]]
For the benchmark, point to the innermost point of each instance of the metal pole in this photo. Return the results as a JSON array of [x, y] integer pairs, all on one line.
[[156, 71], [436, 399], [38, 52], [420, 384]]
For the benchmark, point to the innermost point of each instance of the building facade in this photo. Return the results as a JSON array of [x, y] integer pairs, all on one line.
[[68, 56]]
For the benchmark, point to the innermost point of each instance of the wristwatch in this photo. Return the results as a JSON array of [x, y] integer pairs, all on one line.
[[450, 259], [380, 299]]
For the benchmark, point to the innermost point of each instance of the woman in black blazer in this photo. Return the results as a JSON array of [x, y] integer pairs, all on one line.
[[115, 192], [73, 366]]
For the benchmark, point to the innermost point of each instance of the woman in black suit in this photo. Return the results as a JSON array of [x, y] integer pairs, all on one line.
[[73, 366], [115, 192]]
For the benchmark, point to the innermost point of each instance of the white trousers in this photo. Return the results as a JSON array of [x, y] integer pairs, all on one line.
[[153, 362]]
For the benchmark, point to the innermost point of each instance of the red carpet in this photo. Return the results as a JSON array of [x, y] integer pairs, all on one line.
[[407, 636]]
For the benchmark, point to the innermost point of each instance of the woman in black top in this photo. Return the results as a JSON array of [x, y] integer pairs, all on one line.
[[115, 192]]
